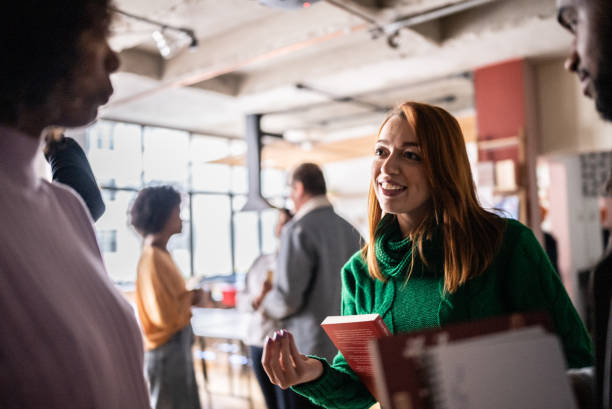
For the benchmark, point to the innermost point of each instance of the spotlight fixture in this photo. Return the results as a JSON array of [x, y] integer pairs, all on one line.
[[168, 39], [169, 42], [288, 4]]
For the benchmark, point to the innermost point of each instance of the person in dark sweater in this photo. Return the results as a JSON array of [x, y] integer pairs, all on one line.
[[70, 166], [435, 257], [590, 58]]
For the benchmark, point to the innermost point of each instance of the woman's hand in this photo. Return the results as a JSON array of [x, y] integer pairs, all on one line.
[[285, 365]]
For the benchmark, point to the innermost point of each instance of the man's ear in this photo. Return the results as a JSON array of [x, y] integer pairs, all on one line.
[[299, 188]]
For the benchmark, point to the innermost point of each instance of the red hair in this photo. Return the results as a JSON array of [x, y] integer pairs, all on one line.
[[471, 235]]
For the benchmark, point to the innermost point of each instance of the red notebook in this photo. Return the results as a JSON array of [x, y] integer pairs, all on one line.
[[351, 335]]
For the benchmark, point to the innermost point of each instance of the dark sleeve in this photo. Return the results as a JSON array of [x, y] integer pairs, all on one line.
[[294, 272], [70, 166]]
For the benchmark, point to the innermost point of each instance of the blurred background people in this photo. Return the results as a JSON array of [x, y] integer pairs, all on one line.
[[163, 302], [69, 338], [314, 246], [258, 283], [550, 243]]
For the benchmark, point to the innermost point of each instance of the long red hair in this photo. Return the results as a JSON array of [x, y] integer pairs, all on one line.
[[471, 235]]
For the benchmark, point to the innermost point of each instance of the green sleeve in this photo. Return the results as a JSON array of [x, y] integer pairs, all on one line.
[[535, 285], [339, 387]]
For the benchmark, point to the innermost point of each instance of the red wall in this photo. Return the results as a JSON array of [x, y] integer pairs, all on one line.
[[500, 105]]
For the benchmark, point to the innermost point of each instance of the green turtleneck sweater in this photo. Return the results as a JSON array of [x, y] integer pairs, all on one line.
[[520, 279]]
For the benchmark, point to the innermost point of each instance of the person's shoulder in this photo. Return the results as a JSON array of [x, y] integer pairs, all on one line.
[[314, 215], [263, 262], [356, 264], [520, 241], [516, 231], [153, 258], [68, 198]]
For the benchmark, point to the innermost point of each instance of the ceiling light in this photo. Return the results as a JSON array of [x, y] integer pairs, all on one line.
[[288, 4], [168, 39], [169, 43]]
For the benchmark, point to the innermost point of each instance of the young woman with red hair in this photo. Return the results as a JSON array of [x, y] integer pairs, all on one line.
[[434, 256]]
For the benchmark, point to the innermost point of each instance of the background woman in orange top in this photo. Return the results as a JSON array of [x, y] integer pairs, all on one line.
[[164, 304]]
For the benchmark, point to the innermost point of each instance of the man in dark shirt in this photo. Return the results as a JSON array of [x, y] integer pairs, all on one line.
[[590, 22]]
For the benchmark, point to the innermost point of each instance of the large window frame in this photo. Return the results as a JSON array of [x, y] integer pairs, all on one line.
[[110, 188]]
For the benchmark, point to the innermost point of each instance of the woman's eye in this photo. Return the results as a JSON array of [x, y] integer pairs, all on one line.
[[412, 156], [378, 152]]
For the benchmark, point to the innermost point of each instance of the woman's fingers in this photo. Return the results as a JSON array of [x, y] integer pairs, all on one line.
[[274, 361], [285, 365], [270, 359]]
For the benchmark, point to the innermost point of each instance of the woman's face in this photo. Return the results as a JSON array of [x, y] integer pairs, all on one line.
[[174, 225], [398, 174]]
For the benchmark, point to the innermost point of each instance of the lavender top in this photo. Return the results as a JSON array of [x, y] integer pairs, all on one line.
[[68, 338]]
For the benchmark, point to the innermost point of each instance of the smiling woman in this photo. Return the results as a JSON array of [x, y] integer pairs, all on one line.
[[435, 256]]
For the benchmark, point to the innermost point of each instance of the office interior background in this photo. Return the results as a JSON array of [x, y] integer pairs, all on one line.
[[323, 75]]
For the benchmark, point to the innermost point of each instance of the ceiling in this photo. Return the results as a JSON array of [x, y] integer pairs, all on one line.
[[250, 59]]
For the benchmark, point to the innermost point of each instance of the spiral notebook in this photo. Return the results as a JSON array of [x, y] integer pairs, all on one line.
[[521, 369]]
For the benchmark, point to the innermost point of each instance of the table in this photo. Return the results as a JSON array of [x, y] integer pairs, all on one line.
[[230, 326], [227, 323]]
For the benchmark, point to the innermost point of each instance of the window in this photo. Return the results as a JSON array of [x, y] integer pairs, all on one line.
[[246, 236], [212, 235], [107, 240], [122, 261], [217, 239]]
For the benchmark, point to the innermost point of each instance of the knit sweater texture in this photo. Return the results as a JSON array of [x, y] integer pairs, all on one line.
[[520, 279]]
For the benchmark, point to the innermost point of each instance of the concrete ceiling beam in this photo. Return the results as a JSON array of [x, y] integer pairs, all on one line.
[[141, 63], [228, 84]]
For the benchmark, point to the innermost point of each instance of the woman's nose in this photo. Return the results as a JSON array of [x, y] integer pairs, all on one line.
[[389, 165]]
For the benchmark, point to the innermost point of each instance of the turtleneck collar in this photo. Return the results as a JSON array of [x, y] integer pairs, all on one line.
[[17, 157], [394, 252]]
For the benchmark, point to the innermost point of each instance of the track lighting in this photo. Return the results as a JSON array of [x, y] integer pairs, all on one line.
[[168, 39]]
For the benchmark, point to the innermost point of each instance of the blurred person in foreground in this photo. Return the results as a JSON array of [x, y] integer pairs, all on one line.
[[590, 58], [69, 340], [258, 283], [163, 302], [434, 257], [307, 286]]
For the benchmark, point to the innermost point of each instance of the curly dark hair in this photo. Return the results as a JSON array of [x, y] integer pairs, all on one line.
[[152, 207], [39, 44]]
